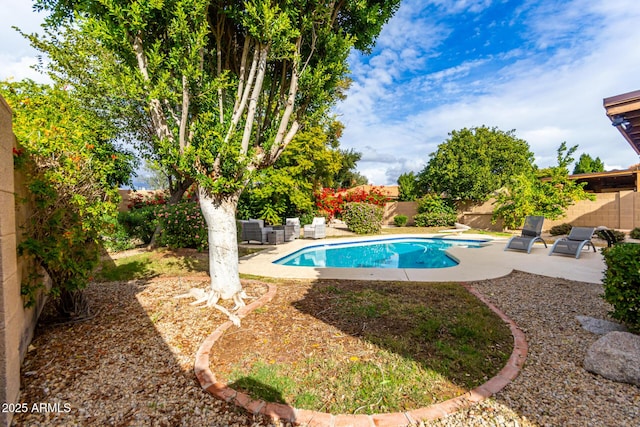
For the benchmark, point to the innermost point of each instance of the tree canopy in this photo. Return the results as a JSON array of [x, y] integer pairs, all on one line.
[[587, 164], [472, 163], [547, 192], [407, 187]]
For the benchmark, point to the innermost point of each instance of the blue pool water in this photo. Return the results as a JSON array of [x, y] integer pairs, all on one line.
[[388, 253]]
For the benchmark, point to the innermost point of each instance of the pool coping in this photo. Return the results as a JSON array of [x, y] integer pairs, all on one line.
[[287, 413]]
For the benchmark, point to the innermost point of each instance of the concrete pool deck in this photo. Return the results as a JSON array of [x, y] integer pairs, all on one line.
[[484, 263]]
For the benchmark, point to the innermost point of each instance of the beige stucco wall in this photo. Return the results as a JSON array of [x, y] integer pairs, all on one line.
[[392, 209], [16, 323], [618, 210]]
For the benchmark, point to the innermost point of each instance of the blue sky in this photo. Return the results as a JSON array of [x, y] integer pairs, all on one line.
[[540, 67]]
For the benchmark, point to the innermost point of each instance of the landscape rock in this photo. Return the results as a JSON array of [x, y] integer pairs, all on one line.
[[615, 356], [600, 326]]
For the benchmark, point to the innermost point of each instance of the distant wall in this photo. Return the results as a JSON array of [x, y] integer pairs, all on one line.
[[619, 210], [391, 209], [17, 324]]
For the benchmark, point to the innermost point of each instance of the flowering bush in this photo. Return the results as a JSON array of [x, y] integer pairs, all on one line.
[[331, 203], [363, 218], [139, 200], [183, 226]]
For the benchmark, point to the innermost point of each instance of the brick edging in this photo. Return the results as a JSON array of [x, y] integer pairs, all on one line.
[[288, 413]]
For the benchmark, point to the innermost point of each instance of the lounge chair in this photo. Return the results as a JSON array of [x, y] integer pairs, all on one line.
[[315, 230], [531, 232], [578, 238]]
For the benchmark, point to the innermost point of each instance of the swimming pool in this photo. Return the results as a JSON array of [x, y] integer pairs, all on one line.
[[388, 253]]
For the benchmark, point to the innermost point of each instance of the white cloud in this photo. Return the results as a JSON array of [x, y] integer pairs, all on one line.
[[548, 96], [16, 55]]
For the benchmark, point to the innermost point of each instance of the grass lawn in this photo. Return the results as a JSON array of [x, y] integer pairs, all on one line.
[[347, 346]]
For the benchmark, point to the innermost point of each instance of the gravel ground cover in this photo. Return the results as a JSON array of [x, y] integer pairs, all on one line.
[[132, 364]]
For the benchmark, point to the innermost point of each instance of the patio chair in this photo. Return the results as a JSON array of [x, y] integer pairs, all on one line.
[[254, 230], [315, 230], [578, 238], [295, 222], [531, 232]]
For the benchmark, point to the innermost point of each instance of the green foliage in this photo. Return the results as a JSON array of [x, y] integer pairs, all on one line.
[[622, 283], [183, 226], [434, 211], [286, 190], [547, 193], [71, 169], [560, 229], [635, 233], [117, 239], [203, 124], [140, 223], [363, 218], [408, 187], [586, 164], [434, 219], [400, 220], [475, 162]]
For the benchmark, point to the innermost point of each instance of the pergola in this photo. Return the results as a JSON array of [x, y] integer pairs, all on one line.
[[624, 113]]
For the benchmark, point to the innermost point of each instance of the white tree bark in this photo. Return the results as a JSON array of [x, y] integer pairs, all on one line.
[[220, 215]]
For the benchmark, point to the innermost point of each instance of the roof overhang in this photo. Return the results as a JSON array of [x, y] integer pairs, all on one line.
[[624, 113]]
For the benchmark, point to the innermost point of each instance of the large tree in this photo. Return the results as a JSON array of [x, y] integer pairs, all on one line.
[[475, 162], [227, 84]]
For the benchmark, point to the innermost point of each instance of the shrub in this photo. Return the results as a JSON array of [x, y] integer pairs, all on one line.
[[363, 218], [400, 220], [434, 211], [561, 229], [140, 223], [635, 233], [435, 219], [622, 283], [183, 226], [117, 239]]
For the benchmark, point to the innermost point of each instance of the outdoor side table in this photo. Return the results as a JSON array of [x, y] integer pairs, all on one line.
[[274, 237]]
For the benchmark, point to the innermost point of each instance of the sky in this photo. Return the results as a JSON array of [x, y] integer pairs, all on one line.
[[538, 67]]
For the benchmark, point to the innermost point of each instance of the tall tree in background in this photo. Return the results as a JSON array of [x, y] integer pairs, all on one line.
[[547, 192], [586, 164], [407, 187], [286, 189], [227, 85], [475, 162], [347, 176]]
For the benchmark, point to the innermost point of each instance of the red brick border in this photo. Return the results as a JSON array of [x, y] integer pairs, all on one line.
[[321, 419]]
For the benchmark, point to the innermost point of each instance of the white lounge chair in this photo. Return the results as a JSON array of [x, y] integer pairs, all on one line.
[[316, 230]]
